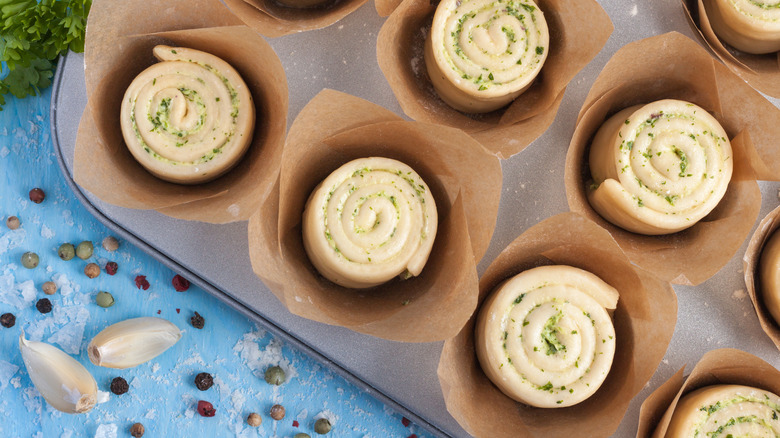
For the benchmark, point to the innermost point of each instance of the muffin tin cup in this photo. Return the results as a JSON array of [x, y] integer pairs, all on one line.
[[578, 31], [760, 71], [722, 366], [644, 322], [671, 66], [464, 178], [115, 55]]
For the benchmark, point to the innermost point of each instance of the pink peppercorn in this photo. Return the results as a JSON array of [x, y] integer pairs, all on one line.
[[206, 409], [180, 283]]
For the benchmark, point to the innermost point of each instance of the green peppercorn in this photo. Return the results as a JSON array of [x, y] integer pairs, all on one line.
[[104, 299], [302, 435], [322, 426], [66, 251], [275, 375], [30, 260], [84, 250]]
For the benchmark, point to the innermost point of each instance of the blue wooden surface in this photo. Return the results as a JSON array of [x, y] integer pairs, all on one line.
[[162, 394]]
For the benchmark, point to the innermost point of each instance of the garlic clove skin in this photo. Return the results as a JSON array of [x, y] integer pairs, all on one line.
[[132, 342], [62, 381]]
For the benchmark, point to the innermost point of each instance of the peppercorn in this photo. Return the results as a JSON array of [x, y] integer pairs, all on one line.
[[204, 381], [206, 409], [322, 426], [302, 435], [84, 250], [66, 251], [137, 430], [30, 260], [119, 386], [43, 305], [180, 283], [49, 288], [92, 270], [110, 244], [37, 195], [7, 320], [275, 376], [104, 299], [254, 420], [277, 412], [197, 321], [12, 222], [111, 268]]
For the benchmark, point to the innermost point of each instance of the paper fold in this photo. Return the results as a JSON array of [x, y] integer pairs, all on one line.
[[273, 19], [673, 66], [464, 178], [116, 54], [578, 31], [644, 322], [750, 263]]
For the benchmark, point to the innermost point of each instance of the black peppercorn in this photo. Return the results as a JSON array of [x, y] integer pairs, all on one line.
[[204, 381], [119, 386], [197, 321], [7, 320], [43, 305]]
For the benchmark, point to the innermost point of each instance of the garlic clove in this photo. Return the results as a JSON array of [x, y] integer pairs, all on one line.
[[132, 342], [62, 381]]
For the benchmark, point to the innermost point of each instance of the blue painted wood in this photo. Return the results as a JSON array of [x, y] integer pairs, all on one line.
[[162, 393]]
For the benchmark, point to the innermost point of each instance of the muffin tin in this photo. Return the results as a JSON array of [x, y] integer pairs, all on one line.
[[715, 314]]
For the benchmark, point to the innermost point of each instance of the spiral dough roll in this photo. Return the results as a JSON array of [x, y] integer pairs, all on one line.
[[721, 411], [659, 168], [769, 275], [545, 338], [189, 118], [369, 221], [752, 26], [481, 54]]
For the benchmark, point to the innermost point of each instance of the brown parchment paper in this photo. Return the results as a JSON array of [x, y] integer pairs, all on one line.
[[750, 263], [723, 366], [464, 178], [644, 322], [760, 71], [102, 163], [673, 66], [578, 31], [273, 19]]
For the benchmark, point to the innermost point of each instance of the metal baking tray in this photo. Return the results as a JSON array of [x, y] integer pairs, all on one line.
[[713, 315]]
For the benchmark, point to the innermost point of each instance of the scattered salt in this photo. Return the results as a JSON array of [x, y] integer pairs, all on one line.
[[102, 396], [16, 382], [32, 400], [249, 351], [12, 239], [739, 295], [328, 415], [155, 367], [151, 414], [68, 433], [106, 431], [634, 11], [64, 284], [238, 399], [18, 295], [7, 370], [46, 232], [4, 152], [67, 218], [70, 336]]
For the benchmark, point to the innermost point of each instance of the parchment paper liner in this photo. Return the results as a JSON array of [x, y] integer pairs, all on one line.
[[673, 66], [644, 322], [750, 263], [113, 58], [578, 31], [464, 178], [723, 366], [273, 20], [760, 71]]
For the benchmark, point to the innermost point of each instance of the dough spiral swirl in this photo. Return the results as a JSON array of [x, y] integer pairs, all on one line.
[[189, 118], [752, 26], [369, 221], [659, 168], [726, 410], [545, 338], [481, 54]]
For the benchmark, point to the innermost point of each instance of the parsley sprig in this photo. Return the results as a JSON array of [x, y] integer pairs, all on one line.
[[32, 35]]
